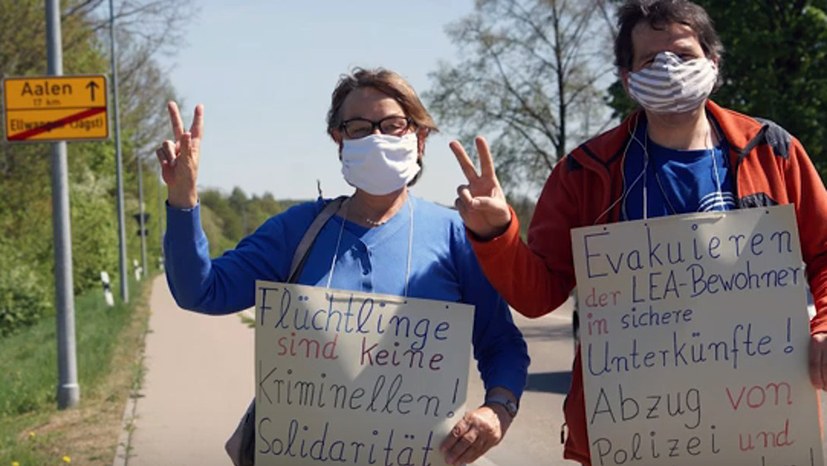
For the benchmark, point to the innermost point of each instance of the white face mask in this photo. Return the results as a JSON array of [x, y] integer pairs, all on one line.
[[671, 85], [380, 163]]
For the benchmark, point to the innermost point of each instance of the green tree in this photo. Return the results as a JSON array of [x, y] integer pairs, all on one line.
[[228, 218], [263, 207], [240, 205], [213, 225], [93, 216], [775, 62]]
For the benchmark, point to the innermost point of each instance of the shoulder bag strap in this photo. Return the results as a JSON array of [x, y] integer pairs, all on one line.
[[310, 235]]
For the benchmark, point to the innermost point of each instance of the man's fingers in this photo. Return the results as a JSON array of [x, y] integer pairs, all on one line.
[[484, 203], [175, 119], [465, 196], [486, 161], [465, 162], [197, 128]]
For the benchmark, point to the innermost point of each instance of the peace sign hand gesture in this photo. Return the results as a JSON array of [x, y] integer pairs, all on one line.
[[179, 158], [481, 202]]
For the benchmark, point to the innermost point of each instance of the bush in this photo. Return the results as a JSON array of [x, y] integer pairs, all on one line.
[[94, 231], [23, 298]]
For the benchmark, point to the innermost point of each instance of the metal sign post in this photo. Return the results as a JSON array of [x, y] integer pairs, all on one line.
[[68, 390], [118, 158]]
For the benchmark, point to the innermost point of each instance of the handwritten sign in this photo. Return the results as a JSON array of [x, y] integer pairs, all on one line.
[[694, 341], [353, 378]]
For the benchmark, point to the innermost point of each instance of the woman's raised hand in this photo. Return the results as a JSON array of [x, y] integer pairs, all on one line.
[[179, 158], [481, 202]]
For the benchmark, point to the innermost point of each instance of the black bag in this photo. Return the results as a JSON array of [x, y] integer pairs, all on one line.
[[241, 444]]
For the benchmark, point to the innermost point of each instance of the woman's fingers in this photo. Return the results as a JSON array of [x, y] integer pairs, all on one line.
[[197, 127], [188, 151], [456, 442], [166, 153], [175, 120], [471, 437]]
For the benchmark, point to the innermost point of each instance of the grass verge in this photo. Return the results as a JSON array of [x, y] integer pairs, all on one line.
[[109, 344]]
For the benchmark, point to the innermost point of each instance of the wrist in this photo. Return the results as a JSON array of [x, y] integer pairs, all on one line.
[[502, 403], [504, 418], [491, 233], [182, 200]]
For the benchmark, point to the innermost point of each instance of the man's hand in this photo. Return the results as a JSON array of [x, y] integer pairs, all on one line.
[[475, 434], [481, 203], [179, 158], [818, 360]]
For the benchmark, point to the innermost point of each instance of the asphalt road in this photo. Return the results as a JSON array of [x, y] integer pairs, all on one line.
[[534, 437]]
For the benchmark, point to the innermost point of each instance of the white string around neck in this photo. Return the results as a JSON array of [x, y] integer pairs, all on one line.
[[410, 242]]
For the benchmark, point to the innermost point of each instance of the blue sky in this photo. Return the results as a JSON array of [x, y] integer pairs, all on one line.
[[265, 69]]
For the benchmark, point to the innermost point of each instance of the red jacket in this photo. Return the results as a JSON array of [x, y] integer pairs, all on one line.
[[770, 167]]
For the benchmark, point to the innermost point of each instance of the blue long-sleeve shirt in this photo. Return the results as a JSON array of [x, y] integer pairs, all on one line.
[[442, 267]]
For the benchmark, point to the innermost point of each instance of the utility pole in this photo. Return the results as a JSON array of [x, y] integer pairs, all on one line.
[[118, 159], [68, 390]]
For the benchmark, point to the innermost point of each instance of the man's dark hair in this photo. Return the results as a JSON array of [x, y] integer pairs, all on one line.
[[658, 14]]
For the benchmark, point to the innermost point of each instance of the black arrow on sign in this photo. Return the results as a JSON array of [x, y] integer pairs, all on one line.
[[92, 86]]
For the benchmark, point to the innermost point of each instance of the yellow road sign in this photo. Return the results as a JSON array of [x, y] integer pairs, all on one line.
[[55, 108]]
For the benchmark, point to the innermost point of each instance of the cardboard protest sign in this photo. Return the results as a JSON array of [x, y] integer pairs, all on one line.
[[356, 378], [694, 341]]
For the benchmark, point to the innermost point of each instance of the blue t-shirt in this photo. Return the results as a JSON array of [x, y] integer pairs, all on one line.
[[442, 267], [677, 181]]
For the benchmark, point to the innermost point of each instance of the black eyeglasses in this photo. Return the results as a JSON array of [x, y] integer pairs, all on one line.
[[394, 125]]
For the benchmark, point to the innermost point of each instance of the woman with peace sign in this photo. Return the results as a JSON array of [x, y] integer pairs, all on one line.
[[382, 239]]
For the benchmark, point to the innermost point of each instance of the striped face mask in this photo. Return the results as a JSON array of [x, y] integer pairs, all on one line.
[[671, 85]]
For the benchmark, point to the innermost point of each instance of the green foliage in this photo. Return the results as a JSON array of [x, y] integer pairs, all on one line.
[[776, 54], [228, 219], [22, 37], [23, 296], [26, 208], [231, 223], [213, 225], [94, 220]]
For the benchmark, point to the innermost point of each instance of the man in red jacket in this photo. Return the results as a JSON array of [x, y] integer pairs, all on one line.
[[680, 153]]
